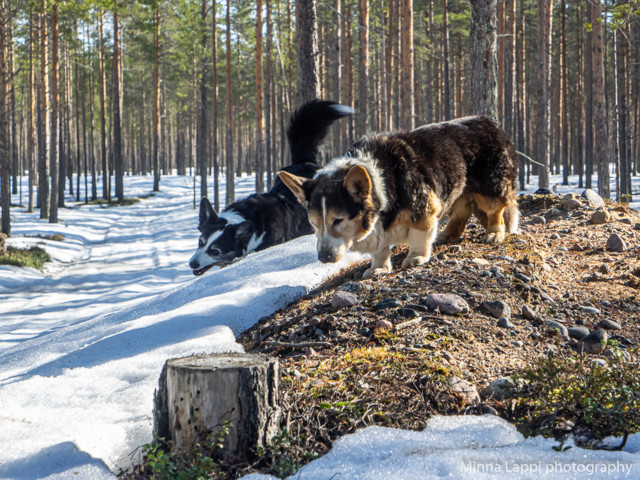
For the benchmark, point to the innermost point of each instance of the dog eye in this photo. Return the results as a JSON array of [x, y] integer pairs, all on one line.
[[215, 251], [337, 221]]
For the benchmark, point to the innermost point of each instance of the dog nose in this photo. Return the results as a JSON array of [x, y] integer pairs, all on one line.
[[194, 264], [326, 256]]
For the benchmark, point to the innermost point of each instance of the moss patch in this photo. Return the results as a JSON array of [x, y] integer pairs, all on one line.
[[34, 257]]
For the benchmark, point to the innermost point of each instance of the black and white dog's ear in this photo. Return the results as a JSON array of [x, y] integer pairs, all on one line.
[[245, 229], [207, 213], [295, 184]]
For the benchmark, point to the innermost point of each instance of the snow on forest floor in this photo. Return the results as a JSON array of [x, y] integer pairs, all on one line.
[[82, 345]]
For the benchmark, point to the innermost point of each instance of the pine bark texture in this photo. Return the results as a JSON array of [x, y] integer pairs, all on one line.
[[543, 126], [600, 128], [197, 394], [308, 63], [484, 64], [362, 111], [5, 155], [407, 110]]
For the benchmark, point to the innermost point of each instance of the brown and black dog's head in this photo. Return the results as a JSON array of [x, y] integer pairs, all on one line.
[[343, 202]]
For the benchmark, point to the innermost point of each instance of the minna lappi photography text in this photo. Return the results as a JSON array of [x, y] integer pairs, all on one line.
[[549, 468]]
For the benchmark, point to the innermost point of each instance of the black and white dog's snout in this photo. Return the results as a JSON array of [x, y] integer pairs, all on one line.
[[328, 256]]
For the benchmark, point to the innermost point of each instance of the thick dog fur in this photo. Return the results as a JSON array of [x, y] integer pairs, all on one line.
[[263, 220], [394, 188]]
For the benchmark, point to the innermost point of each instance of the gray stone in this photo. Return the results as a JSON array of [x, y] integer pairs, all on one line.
[[593, 198], [557, 327], [504, 322], [594, 343], [588, 309], [447, 303], [600, 217], [604, 268], [571, 204], [538, 220], [388, 303], [503, 388], [344, 299], [554, 236], [353, 287], [615, 243], [496, 308], [529, 313], [407, 312], [609, 325], [578, 332], [522, 277], [464, 388]]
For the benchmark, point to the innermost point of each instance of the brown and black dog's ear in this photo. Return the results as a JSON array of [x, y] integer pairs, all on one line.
[[295, 185], [358, 182]]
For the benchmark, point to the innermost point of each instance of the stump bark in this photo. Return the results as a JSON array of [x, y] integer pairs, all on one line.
[[197, 394]]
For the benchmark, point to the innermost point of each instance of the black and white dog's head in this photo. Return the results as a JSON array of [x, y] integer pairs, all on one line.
[[224, 238]]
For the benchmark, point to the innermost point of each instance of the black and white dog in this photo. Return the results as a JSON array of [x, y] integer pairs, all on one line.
[[266, 219]]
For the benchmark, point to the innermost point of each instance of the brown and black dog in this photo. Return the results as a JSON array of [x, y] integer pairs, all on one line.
[[394, 188]]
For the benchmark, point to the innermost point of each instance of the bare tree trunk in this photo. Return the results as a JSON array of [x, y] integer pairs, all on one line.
[[510, 69], [214, 143], [117, 109], [307, 38], [230, 195], [622, 46], [201, 139], [31, 115], [106, 191], [155, 134], [13, 113], [501, 52], [388, 67], [336, 66], [543, 151], [260, 138], [484, 68], [521, 94], [5, 152], [407, 115], [347, 92], [362, 111], [566, 167], [579, 100], [589, 140], [44, 127], [601, 134], [55, 113], [269, 101]]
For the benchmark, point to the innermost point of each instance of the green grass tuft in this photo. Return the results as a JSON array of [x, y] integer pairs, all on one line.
[[34, 257]]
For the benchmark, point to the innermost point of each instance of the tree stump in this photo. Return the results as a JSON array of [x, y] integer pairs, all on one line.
[[197, 394], [3, 244]]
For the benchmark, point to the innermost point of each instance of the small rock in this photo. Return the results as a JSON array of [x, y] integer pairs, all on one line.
[[604, 268], [615, 243], [600, 217], [504, 322], [543, 191], [538, 220], [557, 327], [625, 220], [407, 312], [517, 343], [503, 388], [388, 303], [464, 388], [416, 307], [353, 287], [447, 303], [546, 297], [554, 236], [594, 343], [589, 309], [605, 303], [593, 198], [636, 226], [529, 313], [522, 277], [342, 298], [609, 325], [571, 204], [455, 248], [384, 325], [480, 261], [496, 308], [578, 332]]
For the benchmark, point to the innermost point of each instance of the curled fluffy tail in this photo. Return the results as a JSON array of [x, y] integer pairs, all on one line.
[[309, 125]]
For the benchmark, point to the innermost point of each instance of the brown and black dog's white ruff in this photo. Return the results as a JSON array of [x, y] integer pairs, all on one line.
[[393, 188]]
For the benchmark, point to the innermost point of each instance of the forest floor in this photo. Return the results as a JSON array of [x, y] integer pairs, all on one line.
[[382, 351]]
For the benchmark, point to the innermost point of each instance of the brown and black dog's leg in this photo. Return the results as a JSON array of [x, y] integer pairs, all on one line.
[[493, 209], [460, 213], [380, 263]]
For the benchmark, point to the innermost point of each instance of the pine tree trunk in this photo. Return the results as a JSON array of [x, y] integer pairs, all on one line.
[[230, 190], [510, 69], [579, 101], [362, 110], [307, 37], [336, 67], [118, 161], [543, 150], [214, 135], [54, 139], [5, 152], [201, 140], [106, 191], [624, 186], [347, 91], [31, 115], [407, 115], [601, 135], [269, 102], [501, 52], [484, 68], [260, 138], [155, 134], [44, 125]]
